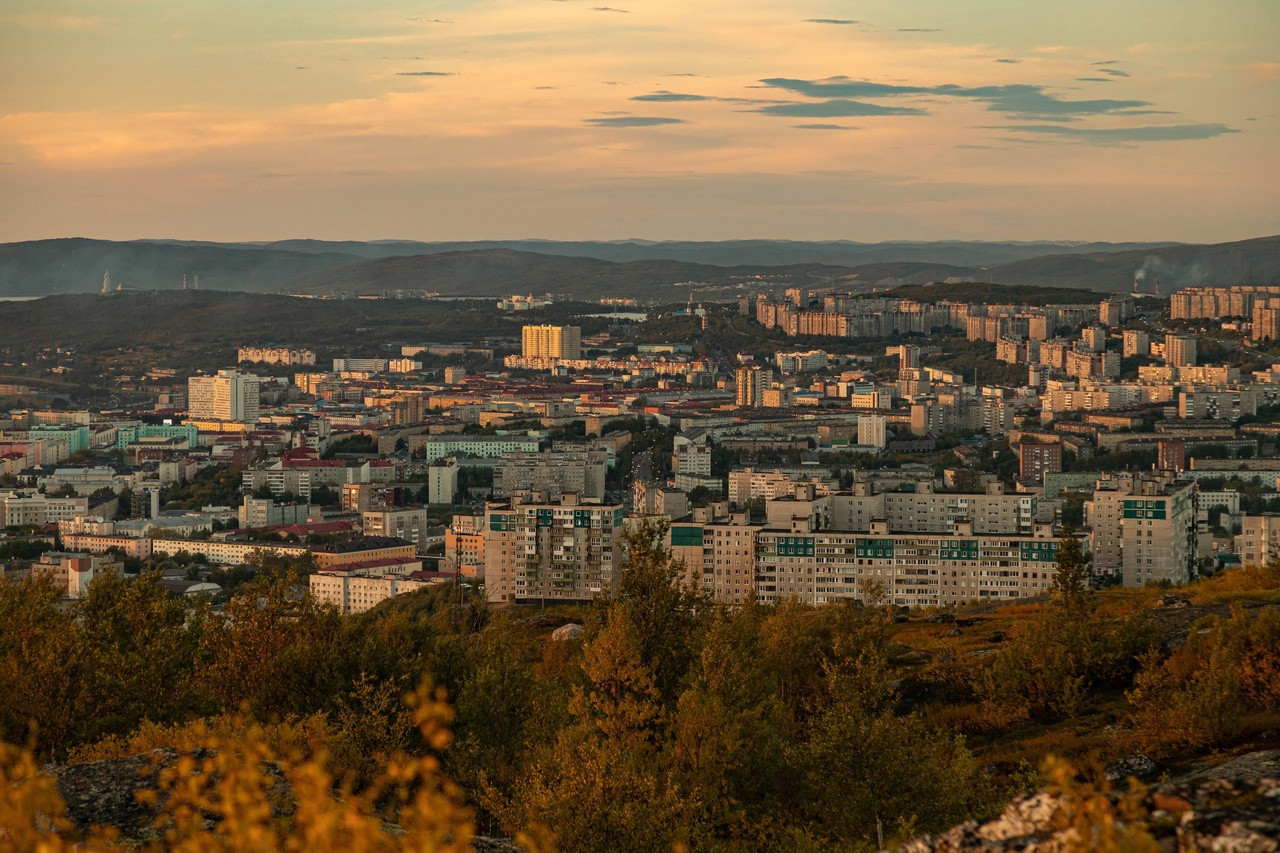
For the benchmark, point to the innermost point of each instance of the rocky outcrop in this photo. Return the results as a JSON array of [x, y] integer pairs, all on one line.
[[104, 794], [1232, 807]]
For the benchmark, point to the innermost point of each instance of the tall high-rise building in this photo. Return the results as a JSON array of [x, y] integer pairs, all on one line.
[[228, 396], [1180, 350], [1144, 528], [752, 383], [535, 549], [564, 342], [871, 431]]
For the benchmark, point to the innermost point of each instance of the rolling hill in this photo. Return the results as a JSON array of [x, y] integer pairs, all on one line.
[[624, 268]]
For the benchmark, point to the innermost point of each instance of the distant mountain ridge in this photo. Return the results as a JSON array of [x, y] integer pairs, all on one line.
[[620, 268]]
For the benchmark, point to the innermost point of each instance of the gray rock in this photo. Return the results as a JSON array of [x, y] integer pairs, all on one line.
[[566, 633], [1137, 765], [1232, 807]]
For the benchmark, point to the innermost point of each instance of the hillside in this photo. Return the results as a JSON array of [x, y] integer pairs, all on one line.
[[178, 320], [1245, 262], [495, 272], [623, 268], [984, 292], [723, 252], [76, 265]]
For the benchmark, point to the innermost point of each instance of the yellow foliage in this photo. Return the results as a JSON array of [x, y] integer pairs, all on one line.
[[1099, 822], [255, 789], [305, 734]]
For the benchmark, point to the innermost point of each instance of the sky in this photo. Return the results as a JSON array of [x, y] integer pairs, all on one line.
[[707, 120]]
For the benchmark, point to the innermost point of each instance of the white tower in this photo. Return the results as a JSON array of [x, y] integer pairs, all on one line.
[[106, 281]]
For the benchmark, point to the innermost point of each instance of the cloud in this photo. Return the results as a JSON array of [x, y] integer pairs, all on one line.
[[671, 96], [823, 127], [1107, 62], [634, 121], [1168, 133], [1018, 98], [1114, 72], [919, 30], [838, 108], [1008, 61], [839, 22], [1263, 72], [1095, 80], [609, 9], [424, 73]]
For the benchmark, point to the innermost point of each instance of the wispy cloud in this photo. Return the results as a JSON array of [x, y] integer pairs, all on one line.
[[634, 121], [1167, 133], [823, 127], [1007, 61], [839, 22], [1263, 72], [837, 108], [425, 73], [919, 30], [671, 96], [1020, 99], [609, 9]]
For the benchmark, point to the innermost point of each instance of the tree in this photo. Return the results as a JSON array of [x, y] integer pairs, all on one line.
[[1071, 586]]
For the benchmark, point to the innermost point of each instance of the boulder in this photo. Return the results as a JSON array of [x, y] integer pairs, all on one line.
[[565, 633]]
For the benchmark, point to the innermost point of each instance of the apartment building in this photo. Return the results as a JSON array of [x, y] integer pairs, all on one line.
[[539, 550], [560, 470], [719, 555], [464, 546], [409, 524], [1144, 528], [551, 342], [228, 396], [917, 508], [914, 570], [356, 592], [23, 508], [482, 446], [1258, 542]]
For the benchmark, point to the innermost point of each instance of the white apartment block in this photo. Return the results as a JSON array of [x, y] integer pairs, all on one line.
[[871, 431], [228, 396], [353, 593], [33, 508], [273, 355], [483, 446], [933, 570]]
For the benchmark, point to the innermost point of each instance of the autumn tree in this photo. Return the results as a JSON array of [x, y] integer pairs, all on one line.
[[140, 644], [1071, 584]]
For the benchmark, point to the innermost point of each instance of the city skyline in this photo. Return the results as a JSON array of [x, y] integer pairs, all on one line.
[[563, 120]]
